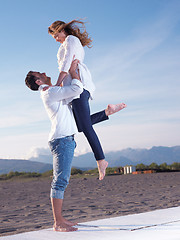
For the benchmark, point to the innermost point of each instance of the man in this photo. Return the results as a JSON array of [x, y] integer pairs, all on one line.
[[61, 137]]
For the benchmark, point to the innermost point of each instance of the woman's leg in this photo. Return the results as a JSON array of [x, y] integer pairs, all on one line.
[[103, 115], [81, 112], [84, 123], [99, 117]]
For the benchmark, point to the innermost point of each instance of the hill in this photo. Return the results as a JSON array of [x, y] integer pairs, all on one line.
[[86, 161], [127, 156], [8, 165], [131, 156]]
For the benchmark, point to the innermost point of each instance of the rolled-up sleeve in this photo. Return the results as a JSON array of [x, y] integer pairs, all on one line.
[[56, 94]]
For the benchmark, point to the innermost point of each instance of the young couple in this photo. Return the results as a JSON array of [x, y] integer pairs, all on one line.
[[67, 105]]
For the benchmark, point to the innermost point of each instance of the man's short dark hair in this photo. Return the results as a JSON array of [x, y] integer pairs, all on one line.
[[30, 81]]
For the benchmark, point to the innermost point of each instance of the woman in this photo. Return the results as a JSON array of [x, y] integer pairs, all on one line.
[[73, 38]]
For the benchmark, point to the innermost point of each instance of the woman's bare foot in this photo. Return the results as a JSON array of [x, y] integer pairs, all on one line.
[[64, 228], [102, 165], [113, 108]]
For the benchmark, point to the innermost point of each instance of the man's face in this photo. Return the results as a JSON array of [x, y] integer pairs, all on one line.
[[42, 77]]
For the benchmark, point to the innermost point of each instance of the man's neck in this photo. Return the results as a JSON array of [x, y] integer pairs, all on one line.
[[46, 83]]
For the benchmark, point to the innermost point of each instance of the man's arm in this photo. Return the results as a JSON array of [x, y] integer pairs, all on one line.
[[73, 70], [60, 93]]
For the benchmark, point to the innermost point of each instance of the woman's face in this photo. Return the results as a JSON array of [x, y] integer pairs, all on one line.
[[60, 37]]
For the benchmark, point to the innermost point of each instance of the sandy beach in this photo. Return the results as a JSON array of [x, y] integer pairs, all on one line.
[[25, 203]]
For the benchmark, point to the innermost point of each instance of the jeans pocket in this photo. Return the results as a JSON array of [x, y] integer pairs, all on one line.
[[53, 145]]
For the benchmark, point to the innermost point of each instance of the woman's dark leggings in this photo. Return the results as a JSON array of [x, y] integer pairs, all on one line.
[[84, 122]]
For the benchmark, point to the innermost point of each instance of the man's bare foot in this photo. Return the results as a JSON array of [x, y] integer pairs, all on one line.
[[64, 228], [113, 108], [69, 223], [102, 165]]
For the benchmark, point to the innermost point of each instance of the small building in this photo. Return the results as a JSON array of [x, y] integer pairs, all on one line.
[[129, 169], [145, 171]]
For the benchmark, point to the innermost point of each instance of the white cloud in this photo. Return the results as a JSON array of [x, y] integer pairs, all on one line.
[[35, 152], [19, 146], [142, 72], [139, 135], [22, 112], [110, 63], [134, 135], [113, 137], [12, 120]]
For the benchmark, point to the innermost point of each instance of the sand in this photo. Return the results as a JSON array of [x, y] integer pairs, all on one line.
[[25, 204]]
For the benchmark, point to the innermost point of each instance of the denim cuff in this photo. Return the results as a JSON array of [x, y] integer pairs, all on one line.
[[57, 194]]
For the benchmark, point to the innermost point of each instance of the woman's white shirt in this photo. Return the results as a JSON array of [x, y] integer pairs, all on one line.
[[69, 50]]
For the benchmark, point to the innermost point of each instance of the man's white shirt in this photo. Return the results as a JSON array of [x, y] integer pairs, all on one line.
[[60, 113]]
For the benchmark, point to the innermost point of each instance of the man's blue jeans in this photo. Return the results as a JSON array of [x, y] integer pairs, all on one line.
[[84, 122], [62, 150]]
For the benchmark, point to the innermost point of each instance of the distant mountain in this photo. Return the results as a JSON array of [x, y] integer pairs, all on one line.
[[87, 161], [131, 156], [8, 165], [42, 158], [124, 157], [127, 156], [155, 154]]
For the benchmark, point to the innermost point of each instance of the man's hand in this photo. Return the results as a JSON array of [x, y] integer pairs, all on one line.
[[45, 88], [73, 70], [74, 65]]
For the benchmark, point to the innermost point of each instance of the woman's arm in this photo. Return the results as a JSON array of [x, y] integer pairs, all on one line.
[[76, 87], [61, 77]]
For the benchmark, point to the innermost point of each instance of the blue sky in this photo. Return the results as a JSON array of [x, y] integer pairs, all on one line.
[[135, 59]]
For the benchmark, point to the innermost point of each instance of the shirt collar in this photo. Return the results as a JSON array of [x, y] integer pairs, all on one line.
[[42, 86]]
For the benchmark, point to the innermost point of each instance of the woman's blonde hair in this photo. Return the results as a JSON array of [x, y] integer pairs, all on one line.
[[72, 28]]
